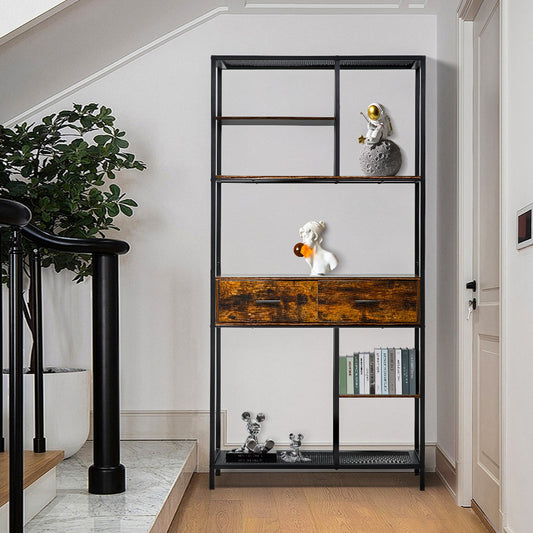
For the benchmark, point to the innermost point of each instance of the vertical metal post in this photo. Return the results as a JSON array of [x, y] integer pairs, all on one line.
[[212, 380], [106, 475], [2, 441], [422, 267], [16, 408], [336, 397], [337, 130], [36, 304]]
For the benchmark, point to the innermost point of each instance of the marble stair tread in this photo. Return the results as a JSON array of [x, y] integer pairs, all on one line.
[[35, 466], [157, 474]]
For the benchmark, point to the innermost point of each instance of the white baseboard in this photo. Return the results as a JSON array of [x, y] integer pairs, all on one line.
[[194, 425], [447, 471]]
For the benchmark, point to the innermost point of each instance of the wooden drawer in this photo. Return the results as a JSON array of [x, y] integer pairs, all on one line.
[[266, 301], [379, 301]]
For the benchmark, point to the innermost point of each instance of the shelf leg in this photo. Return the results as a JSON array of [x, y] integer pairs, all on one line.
[[336, 398]]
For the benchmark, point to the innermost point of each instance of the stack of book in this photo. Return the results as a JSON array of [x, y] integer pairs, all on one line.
[[389, 371]]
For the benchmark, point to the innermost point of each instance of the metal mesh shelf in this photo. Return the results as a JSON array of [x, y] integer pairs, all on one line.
[[356, 459]]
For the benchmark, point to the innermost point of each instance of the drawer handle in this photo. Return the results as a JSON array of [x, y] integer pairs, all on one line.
[[367, 301], [269, 302]]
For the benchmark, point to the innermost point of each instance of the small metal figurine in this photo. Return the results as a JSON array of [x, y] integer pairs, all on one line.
[[251, 444], [294, 455]]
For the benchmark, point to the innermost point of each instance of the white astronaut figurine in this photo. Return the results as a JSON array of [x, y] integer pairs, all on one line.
[[379, 126]]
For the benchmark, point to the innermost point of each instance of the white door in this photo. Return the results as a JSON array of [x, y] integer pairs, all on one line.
[[486, 318]]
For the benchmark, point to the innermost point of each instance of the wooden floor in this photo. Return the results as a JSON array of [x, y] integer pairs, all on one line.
[[320, 503], [35, 466]]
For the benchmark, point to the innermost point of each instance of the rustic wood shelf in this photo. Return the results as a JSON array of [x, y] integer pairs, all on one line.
[[317, 179], [379, 395]]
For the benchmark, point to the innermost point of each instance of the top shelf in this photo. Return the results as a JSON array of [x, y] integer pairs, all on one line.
[[317, 179], [319, 62], [277, 121]]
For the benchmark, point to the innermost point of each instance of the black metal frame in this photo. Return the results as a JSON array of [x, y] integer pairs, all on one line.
[[336, 459]]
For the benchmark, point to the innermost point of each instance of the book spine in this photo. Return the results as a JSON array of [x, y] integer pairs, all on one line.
[[356, 388], [377, 367], [342, 374], [392, 374], [405, 371], [372, 373], [398, 369], [361, 373], [367, 372], [349, 374], [412, 371], [385, 370]]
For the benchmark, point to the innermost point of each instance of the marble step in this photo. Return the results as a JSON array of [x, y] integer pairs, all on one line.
[[157, 474]]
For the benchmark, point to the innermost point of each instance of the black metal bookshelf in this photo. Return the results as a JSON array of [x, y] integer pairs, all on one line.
[[335, 458]]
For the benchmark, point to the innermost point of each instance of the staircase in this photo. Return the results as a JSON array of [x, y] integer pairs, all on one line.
[[39, 484]]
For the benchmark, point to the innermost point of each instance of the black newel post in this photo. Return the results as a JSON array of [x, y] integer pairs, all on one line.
[[106, 475], [39, 441], [16, 445], [2, 441]]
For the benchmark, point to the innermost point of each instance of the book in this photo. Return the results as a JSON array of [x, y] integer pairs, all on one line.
[[377, 367], [405, 371], [342, 374], [366, 373], [385, 370], [356, 388], [372, 373], [392, 374], [398, 369], [361, 373], [349, 374], [412, 371]]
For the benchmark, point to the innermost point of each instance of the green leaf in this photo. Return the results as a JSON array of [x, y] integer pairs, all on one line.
[[101, 139], [113, 210], [121, 143], [128, 211], [129, 201]]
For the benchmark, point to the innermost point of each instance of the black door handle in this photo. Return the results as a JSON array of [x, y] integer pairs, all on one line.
[[471, 285]]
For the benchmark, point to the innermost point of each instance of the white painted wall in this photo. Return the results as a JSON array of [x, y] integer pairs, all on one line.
[[162, 100], [447, 229], [517, 266]]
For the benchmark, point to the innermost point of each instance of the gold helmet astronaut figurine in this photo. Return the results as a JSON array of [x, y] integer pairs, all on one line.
[[379, 126]]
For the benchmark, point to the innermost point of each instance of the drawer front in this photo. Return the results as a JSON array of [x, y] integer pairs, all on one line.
[[369, 301], [266, 301]]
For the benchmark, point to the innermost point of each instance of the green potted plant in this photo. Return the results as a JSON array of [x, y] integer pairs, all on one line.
[[63, 170]]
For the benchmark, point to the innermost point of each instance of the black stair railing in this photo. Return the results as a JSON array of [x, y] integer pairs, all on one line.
[[106, 474]]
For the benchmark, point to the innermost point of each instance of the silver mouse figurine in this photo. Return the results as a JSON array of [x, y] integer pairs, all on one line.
[[251, 444]]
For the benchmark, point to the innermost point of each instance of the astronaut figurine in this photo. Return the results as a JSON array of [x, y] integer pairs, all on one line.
[[380, 156], [294, 455], [379, 126], [251, 444]]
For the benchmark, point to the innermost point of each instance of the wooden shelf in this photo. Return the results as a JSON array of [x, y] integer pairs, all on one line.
[[36, 465], [277, 121], [379, 395], [317, 179]]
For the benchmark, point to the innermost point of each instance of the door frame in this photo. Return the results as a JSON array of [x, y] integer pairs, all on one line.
[[466, 13]]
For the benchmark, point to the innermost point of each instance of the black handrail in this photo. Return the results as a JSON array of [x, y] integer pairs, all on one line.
[[106, 475], [13, 213], [69, 244]]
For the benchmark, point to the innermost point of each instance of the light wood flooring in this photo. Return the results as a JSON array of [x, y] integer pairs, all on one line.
[[299, 502]]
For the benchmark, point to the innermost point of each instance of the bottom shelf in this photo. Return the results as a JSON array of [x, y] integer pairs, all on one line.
[[356, 459]]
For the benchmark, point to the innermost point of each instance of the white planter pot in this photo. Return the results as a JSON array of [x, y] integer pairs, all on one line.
[[66, 409]]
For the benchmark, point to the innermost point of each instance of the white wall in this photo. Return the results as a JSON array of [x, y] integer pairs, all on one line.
[[162, 100], [517, 266], [447, 229]]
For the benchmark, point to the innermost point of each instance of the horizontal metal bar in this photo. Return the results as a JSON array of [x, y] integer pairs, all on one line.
[[367, 301], [268, 301]]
